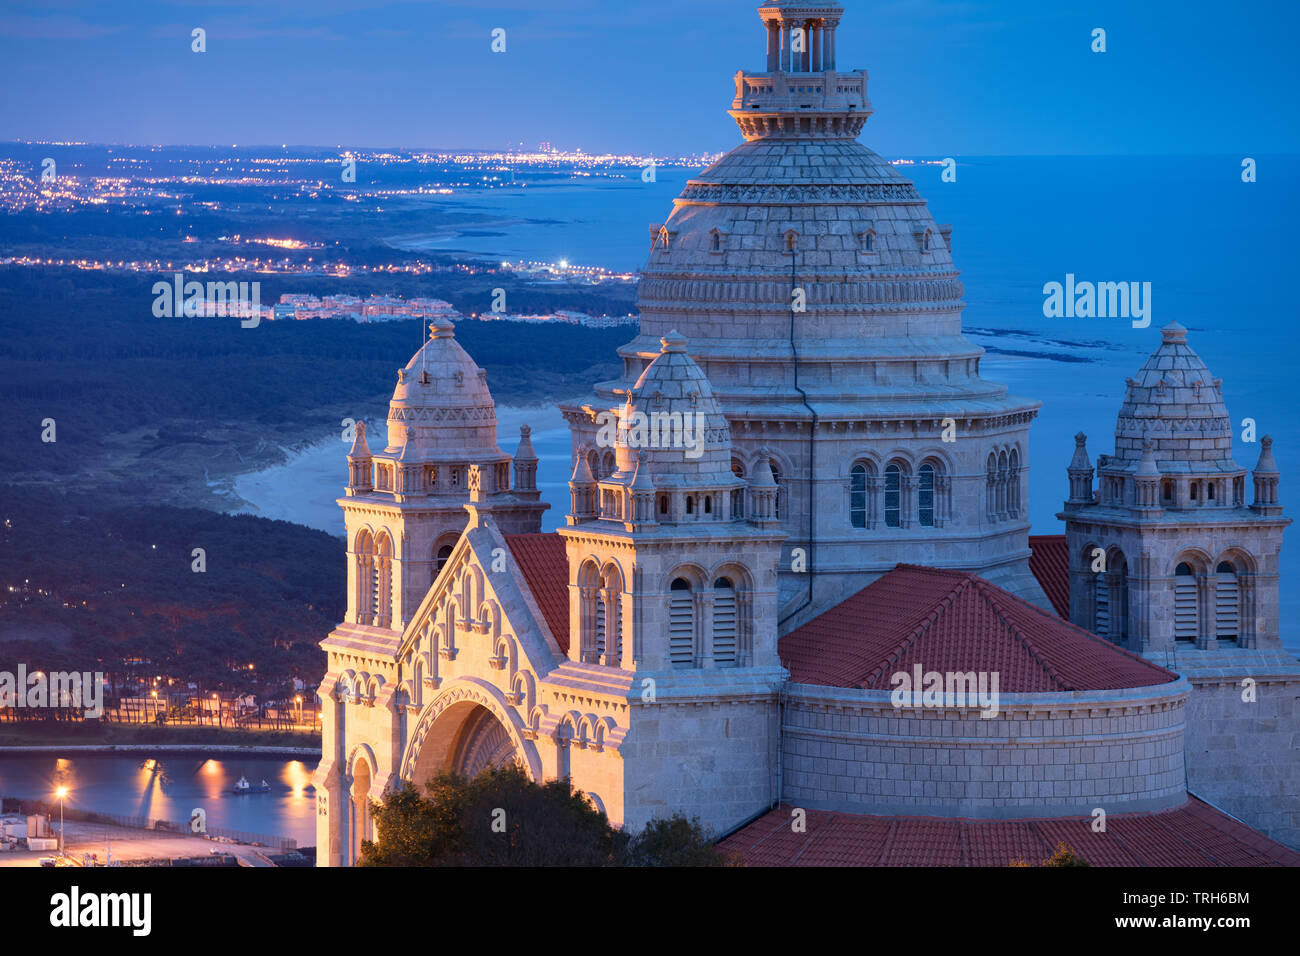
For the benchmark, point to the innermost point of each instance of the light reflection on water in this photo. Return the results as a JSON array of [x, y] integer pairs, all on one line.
[[170, 787]]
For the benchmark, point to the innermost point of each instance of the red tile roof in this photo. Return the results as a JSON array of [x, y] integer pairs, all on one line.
[[545, 566], [1194, 834], [1050, 563], [955, 621]]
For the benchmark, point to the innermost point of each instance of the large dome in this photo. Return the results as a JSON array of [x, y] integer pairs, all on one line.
[[441, 407], [821, 302]]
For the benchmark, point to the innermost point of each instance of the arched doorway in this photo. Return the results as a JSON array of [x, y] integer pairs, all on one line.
[[465, 738], [483, 744]]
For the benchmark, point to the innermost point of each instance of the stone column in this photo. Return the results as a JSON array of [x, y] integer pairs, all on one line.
[[875, 488], [610, 656], [1246, 591], [828, 57], [703, 628], [787, 58], [1205, 611], [816, 48], [807, 46], [773, 46]]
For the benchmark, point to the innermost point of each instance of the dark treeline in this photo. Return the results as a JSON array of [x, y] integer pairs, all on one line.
[[85, 350]]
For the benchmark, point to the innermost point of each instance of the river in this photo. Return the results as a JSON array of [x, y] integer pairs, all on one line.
[[170, 786]]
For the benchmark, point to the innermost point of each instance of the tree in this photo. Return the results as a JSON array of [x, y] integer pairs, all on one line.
[[1064, 856], [502, 818]]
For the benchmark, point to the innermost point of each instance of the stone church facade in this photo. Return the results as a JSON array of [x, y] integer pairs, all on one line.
[[835, 494]]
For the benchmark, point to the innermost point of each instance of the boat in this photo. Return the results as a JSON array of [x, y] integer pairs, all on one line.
[[243, 787]]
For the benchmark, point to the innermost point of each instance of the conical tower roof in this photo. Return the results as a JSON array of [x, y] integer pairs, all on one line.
[[1176, 405], [672, 415]]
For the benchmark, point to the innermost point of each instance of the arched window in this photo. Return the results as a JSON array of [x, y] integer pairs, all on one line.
[[724, 623], [382, 583], [1013, 483], [858, 496], [1002, 485], [365, 578], [738, 468], [925, 495], [893, 496], [1227, 602], [607, 464], [681, 624], [1185, 624], [444, 555], [593, 462], [715, 241], [991, 486], [791, 240], [776, 477]]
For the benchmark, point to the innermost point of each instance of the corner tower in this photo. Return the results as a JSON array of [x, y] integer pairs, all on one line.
[[821, 301], [1166, 554], [405, 505], [1168, 559], [672, 580]]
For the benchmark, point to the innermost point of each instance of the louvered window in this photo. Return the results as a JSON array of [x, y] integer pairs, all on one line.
[[724, 623], [1102, 604], [681, 625], [600, 622], [1184, 604], [1227, 603]]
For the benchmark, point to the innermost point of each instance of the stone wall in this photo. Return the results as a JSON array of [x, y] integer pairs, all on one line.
[[1043, 755], [1244, 756]]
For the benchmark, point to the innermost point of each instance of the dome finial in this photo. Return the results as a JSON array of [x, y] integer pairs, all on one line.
[[674, 341], [442, 328], [1173, 332]]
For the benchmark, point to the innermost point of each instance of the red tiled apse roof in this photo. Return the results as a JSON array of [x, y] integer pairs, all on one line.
[[955, 621]]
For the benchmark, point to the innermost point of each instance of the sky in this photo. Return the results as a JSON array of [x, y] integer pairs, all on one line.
[[947, 77]]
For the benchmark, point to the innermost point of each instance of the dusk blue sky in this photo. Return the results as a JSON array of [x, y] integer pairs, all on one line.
[[948, 77]]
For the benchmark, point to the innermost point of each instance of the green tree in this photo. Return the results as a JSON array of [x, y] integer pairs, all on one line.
[[502, 818]]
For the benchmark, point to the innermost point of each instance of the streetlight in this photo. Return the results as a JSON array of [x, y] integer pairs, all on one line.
[[297, 702], [61, 793]]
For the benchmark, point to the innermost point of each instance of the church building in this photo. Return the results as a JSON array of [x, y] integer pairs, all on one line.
[[800, 496]]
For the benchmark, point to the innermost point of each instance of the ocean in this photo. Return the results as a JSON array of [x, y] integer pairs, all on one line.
[[1217, 252]]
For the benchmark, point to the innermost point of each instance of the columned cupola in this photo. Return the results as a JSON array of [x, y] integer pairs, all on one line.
[[800, 94]]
